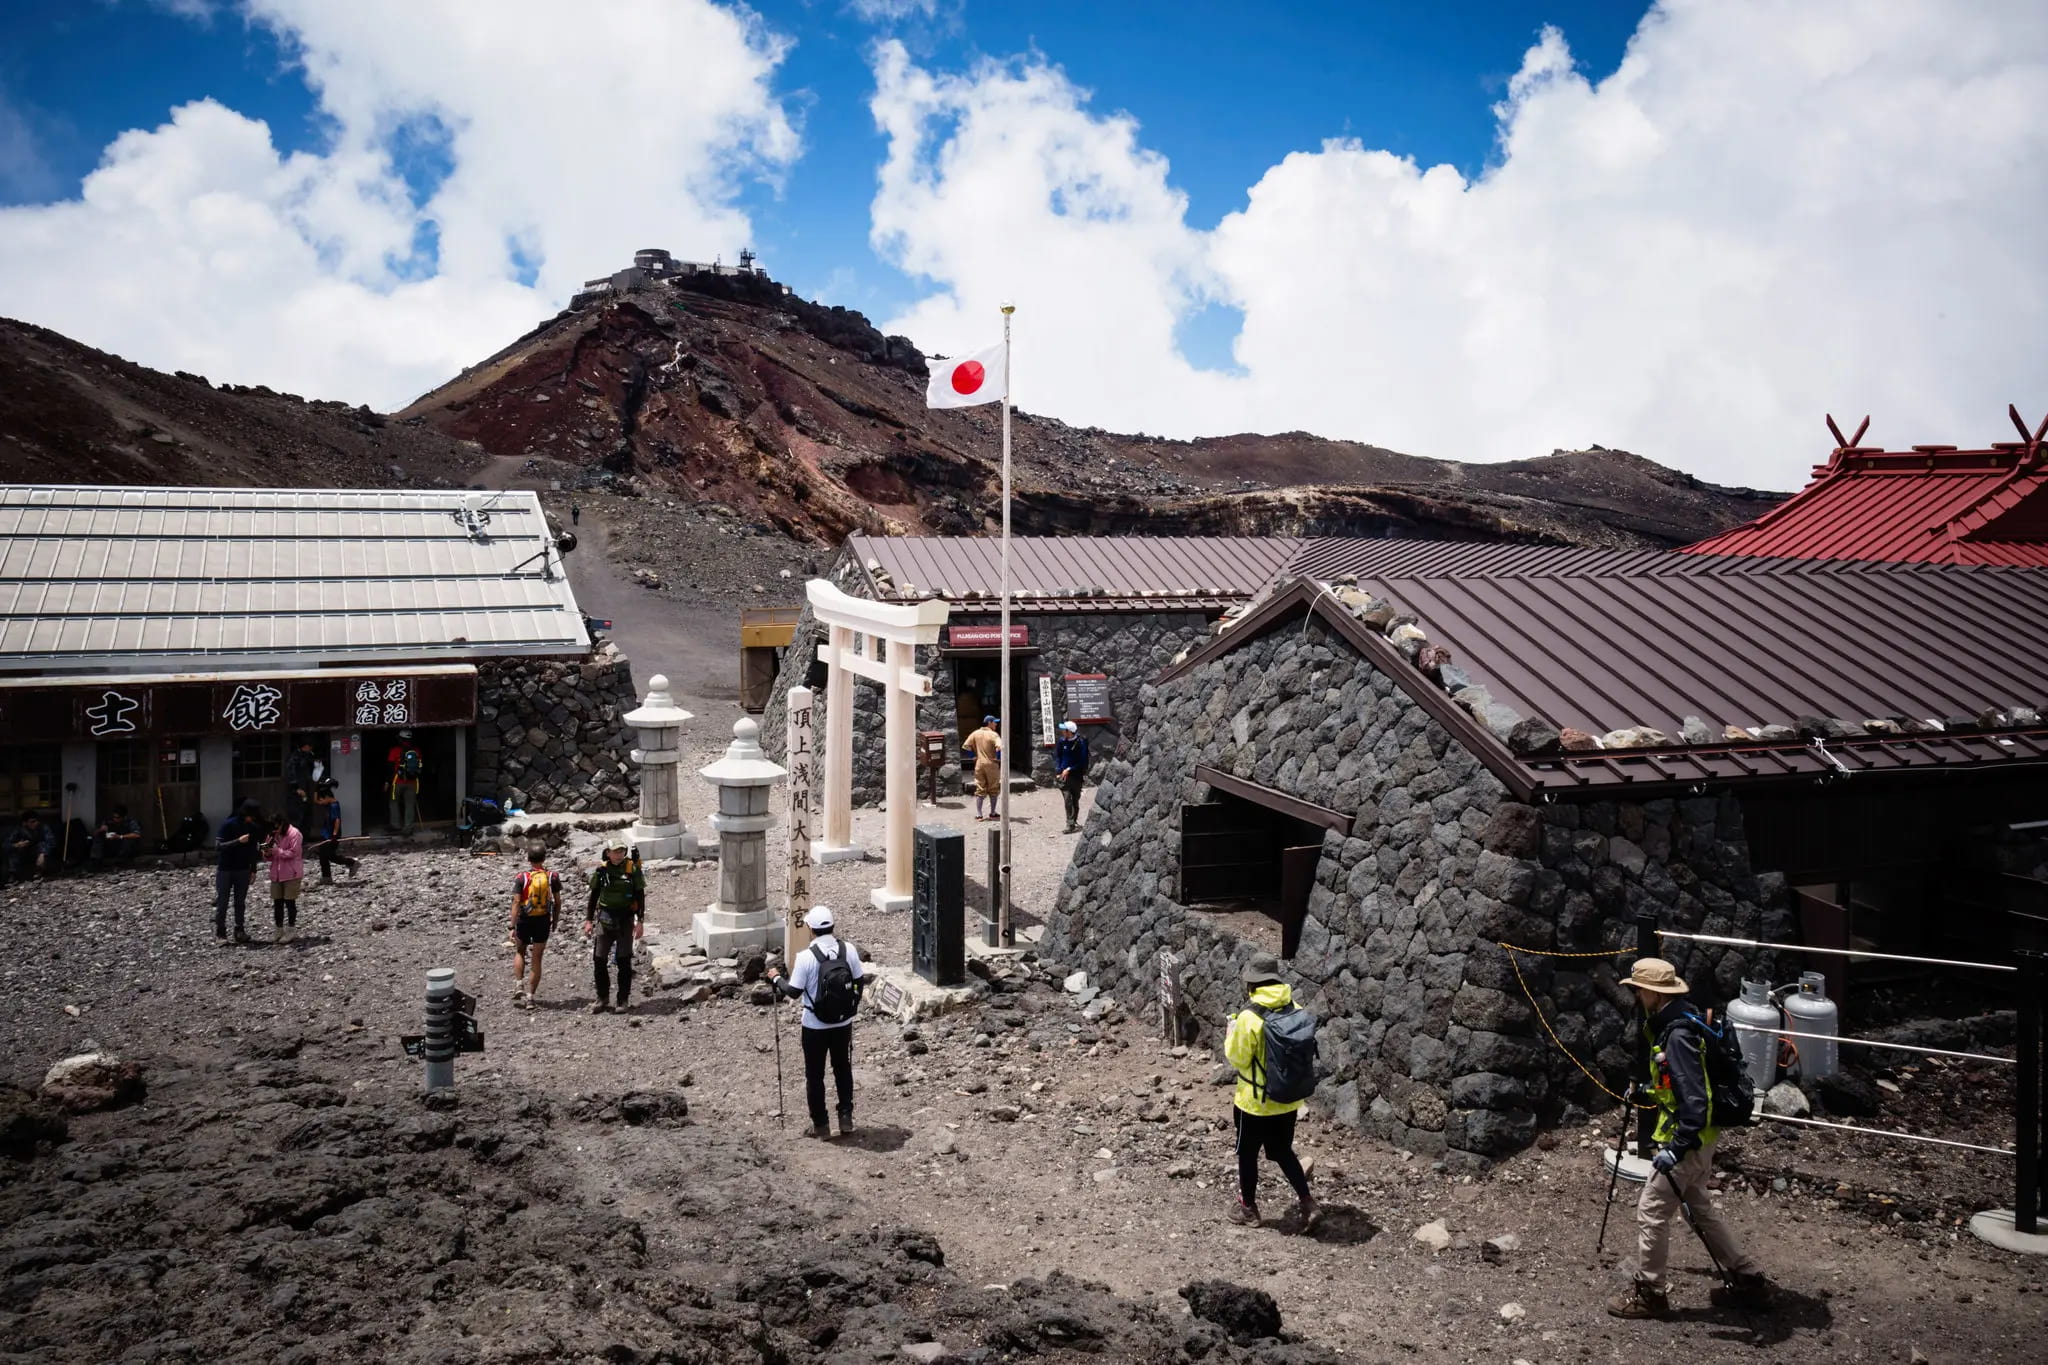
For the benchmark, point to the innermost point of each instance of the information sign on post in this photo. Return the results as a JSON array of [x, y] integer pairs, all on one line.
[[1045, 721], [803, 775]]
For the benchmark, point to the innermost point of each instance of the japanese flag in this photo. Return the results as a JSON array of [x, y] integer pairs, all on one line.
[[966, 380]]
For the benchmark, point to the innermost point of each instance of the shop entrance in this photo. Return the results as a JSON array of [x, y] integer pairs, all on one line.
[[381, 752], [977, 692]]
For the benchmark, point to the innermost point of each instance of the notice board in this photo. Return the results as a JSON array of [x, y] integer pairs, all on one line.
[[1088, 698]]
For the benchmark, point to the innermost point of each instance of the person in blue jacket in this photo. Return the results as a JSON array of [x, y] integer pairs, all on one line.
[[1070, 769], [236, 845]]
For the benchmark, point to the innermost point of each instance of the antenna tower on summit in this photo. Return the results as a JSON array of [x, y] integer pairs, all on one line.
[[747, 259]]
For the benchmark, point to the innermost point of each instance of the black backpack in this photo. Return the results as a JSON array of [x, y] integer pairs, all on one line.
[[190, 834], [1286, 1070], [835, 994], [1734, 1097]]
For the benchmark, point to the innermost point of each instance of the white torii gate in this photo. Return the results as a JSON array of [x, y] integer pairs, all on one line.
[[903, 628]]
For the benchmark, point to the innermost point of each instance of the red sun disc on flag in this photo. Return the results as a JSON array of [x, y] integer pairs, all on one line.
[[967, 376]]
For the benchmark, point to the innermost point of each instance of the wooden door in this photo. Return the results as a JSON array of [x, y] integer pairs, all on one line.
[[1824, 923], [1297, 880], [175, 791]]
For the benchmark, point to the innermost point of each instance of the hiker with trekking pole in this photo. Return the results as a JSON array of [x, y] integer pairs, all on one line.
[[1698, 1085]]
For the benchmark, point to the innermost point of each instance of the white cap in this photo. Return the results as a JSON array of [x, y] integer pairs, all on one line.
[[1069, 726], [819, 920]]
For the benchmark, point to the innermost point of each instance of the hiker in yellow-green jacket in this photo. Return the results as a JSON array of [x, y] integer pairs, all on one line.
[[1679, 1085], [1267, 1086]]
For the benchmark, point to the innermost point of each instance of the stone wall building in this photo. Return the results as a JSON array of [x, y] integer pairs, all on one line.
[[550, 736], [1117, 609], [1385, 772]]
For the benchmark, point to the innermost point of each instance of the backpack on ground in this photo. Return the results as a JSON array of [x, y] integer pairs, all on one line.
[[409, 765], [1734, 1097], [835, 994], [1285, 1070], [536, 892], [190, 834], [76, 844]]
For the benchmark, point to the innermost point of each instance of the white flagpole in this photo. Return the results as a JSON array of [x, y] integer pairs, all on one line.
[[1003, 932]]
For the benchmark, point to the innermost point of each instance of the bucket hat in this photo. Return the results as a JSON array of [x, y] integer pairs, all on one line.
[[1655, 974], [1262, 970]]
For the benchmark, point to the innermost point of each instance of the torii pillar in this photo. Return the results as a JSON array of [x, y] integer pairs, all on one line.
[[901, 629]]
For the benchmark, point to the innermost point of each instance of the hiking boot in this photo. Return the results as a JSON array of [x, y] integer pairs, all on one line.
[[1311, 1213], [527, 1001], [241, 936], [601, 1007], [1742, 1291], [1641, 1301], [518, 994], [822, 1131], [846, 1125], [1243, 1214]]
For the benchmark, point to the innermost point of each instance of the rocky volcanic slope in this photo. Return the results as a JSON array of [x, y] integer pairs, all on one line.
[[785, 416], [71, 414], [806, 419]]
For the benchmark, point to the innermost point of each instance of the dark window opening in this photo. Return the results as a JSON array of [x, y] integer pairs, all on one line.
[[1251, 865]]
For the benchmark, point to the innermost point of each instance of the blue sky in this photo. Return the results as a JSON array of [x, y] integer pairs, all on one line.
[[1223, 90], [1485, 230]]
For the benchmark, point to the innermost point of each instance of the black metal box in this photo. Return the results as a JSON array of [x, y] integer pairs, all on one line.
[[938, 905]]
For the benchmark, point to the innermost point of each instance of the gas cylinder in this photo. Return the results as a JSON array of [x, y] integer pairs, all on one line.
[[1808, 1010], [1759, 1050]]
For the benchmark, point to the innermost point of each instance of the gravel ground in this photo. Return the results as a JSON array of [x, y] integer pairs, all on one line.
[[566, 1211]]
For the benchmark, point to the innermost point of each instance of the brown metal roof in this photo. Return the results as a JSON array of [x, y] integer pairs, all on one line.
[[1603, 640], [1077, 573]]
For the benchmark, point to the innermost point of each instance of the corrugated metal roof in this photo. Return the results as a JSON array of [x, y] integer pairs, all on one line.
[[180, 577], [1928, 506], [1077, 573], [1602, 640]]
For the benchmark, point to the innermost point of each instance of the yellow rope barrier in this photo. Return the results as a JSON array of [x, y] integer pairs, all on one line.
[[1513, 958]]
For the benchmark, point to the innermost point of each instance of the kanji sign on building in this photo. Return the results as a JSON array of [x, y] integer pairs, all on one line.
[[253, 706], [111, 715], [385, 702]]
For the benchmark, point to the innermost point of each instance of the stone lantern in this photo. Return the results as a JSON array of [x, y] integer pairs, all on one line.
[[741, 920], [659, 832]]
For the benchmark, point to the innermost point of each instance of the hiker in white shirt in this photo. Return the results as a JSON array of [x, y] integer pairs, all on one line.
[[828, 977]]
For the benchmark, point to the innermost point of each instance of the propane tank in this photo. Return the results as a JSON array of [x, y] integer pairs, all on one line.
[[1759, 1050], [1808, 1010]]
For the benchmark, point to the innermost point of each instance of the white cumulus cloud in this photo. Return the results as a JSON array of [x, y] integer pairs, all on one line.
[[568, 134], [1770, 209]]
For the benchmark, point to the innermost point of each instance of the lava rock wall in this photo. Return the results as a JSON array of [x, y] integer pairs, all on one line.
[[549, 735], [1131, 647], [1427, 1038]]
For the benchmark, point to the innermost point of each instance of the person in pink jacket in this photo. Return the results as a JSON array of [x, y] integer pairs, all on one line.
[[286, 849]]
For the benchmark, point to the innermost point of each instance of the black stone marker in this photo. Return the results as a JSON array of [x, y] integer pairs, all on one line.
[[938, 905]]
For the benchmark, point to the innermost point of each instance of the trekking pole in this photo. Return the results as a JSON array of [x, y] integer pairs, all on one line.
[[1686, 1210], [1614, 1172], [775, 1023]]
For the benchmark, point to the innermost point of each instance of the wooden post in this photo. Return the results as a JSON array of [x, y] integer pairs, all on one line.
[[803, 768]]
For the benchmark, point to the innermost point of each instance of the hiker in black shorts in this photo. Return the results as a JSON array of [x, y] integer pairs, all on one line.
[[536, 903]]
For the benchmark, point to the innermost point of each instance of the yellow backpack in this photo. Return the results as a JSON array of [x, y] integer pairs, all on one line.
[[536, 892]]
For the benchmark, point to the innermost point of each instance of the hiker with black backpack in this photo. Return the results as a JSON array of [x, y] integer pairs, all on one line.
[[1272, 1043], [828, 978], [407, 767], [618, 915], [1699, 1087]]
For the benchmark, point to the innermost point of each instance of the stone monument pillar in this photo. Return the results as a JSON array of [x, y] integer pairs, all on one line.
[[741, 918], [659, 832]]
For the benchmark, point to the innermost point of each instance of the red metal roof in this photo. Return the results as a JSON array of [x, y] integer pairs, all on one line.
[[1929, 505]]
